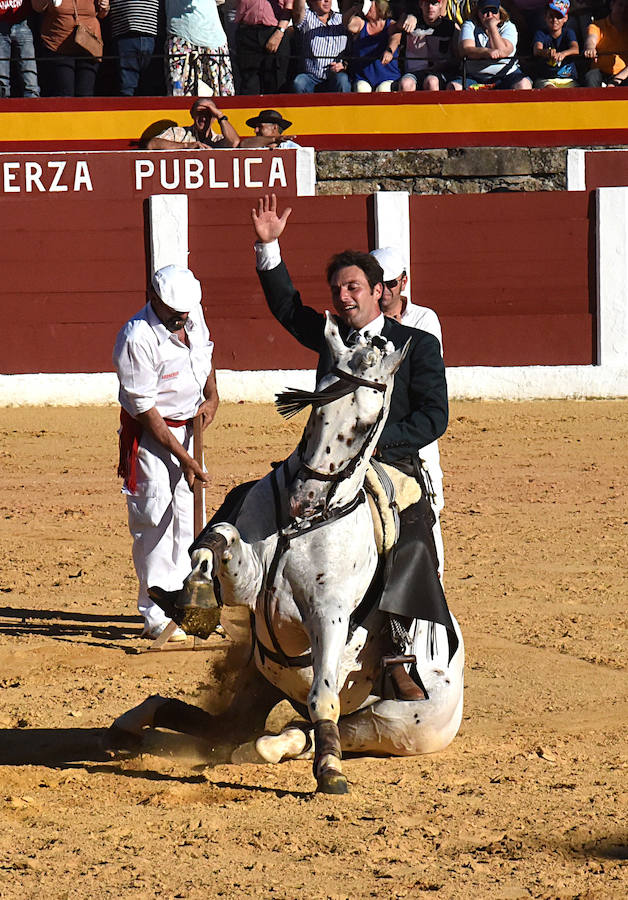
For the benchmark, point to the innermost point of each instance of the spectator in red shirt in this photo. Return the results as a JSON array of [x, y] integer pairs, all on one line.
[[15, 34]]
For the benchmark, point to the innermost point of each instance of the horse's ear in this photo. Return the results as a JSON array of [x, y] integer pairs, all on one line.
[[332, 335], [392, 361]]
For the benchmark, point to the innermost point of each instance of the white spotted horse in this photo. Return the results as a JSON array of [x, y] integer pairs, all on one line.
[[302, 558]]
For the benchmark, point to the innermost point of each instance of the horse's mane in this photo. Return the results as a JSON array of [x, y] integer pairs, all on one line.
[[293, 400]]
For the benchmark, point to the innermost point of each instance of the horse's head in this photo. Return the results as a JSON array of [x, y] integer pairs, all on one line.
[[349, 409]]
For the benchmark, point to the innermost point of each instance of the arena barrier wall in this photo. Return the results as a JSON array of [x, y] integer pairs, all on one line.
[[569, 117], [527, 309]]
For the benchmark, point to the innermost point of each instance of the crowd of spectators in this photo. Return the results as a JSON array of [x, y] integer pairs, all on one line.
[[65, 48]]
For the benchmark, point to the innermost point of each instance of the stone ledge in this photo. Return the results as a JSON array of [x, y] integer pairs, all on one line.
[[463, 170]]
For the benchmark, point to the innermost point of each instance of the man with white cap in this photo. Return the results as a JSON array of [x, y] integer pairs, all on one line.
[[163, 358], [393, 303]]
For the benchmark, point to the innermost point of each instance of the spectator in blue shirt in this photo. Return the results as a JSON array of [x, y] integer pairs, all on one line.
[[556, 46], [322, 40], [374, 48]]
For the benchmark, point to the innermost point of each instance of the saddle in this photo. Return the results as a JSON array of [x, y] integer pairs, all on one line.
[[389, 492]]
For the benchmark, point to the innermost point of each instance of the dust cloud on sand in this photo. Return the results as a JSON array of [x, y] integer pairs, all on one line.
[[529, 799]]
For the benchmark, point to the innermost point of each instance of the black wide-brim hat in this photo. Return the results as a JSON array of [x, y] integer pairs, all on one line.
[[270, 116]]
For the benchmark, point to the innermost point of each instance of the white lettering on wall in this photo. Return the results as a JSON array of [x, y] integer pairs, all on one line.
[[193, 169], [82, 177], [9, 176], [277, 172], [176, 174], [144, 168], [248, 180], [192, 173], [32, 176], [56, 185], [211, 165]]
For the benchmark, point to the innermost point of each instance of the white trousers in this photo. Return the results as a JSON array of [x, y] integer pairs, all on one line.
[[161, 522]]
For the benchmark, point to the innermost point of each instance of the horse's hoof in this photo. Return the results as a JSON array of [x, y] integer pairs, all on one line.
[[332, 783], [120, 743]]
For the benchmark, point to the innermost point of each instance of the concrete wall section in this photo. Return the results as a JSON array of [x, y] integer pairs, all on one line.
[[474, 383], [612, 267]]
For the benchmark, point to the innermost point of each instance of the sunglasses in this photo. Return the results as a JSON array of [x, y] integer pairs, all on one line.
[[491, 9], [392, 284]]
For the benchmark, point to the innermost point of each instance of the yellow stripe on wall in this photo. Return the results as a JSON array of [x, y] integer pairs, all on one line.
[[452, 118]]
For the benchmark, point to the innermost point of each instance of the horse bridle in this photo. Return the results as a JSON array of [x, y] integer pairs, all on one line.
[[322, 398], [292, 400]]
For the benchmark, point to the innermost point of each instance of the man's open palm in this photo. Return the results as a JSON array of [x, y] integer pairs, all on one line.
[[267, 224]]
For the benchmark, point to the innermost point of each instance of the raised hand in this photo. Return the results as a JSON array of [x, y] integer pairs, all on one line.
[[267, 224]]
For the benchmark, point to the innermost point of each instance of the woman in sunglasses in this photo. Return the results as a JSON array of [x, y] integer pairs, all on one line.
[[488, 42]]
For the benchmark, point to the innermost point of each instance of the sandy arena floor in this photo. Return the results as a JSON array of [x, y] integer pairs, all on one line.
[[528, 801]]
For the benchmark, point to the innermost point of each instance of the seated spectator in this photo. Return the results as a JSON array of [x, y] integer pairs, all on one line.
[[199, 135], [69, 71], [489, 41], [269, 126], [430, 49], [263, 50], [322, 41], [557, 46], [134, 29], [16, 36], [606, 44], [374, 49], [196, 50]]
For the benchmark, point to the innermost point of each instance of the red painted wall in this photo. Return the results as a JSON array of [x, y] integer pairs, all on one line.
[[509, 276], [606, 169]]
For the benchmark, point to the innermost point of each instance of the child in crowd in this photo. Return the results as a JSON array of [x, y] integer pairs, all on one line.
[[556, 46]]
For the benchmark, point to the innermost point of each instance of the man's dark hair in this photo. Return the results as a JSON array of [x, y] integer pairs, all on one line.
[[369, 265]]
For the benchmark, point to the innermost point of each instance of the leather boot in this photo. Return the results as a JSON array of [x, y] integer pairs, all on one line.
[[404, 686]]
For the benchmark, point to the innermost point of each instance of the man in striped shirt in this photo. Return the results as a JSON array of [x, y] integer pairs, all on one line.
[[134, 29], [322, 41]]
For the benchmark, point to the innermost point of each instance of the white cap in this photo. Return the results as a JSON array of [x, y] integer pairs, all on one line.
[[177, 287], [391, 262]]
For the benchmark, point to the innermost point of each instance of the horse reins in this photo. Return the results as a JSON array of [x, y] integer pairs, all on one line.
[[288, 533]]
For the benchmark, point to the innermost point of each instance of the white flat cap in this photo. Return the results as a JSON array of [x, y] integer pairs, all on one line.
[[177, 287], [391, 262]]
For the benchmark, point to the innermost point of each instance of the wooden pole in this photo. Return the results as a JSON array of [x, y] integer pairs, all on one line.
[[199, 496]]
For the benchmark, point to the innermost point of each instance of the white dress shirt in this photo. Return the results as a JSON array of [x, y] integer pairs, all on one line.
[[156, 369], [423, 318]]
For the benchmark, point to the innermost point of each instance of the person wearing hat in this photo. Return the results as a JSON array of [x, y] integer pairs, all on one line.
[[163, 359], [488, 42], [269, 126], [199, 135], [556, 46], [395, 304]]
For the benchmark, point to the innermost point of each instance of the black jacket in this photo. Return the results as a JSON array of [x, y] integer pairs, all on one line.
[[418, 409]]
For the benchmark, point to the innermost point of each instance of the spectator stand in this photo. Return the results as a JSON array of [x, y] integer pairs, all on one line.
[[576, 117]]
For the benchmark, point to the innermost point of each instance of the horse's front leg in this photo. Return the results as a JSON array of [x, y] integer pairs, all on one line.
[[328, 635], [227, 557]]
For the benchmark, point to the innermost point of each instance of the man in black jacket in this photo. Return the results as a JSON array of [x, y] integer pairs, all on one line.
[[418, 412]]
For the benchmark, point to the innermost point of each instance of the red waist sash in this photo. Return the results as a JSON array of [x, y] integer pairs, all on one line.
[[130, 435]]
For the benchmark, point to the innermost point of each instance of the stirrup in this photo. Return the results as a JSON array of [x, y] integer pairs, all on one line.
[[397, 684]]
